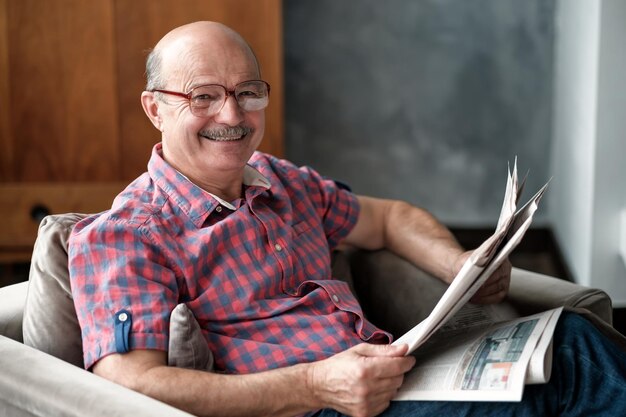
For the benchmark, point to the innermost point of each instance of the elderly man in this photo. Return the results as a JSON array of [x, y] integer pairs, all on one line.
[[244, 239]]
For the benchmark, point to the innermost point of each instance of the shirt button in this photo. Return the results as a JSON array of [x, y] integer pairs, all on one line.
[[122, 317], [278, 247], [335, 298], [218, 209]]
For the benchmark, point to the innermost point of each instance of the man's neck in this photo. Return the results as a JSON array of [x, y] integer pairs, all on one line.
[[225, 183], [228, 188]]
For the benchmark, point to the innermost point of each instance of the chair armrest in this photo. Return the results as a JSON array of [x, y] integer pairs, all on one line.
[[396, 295], [531, 292], [34, 383], [12, 301]]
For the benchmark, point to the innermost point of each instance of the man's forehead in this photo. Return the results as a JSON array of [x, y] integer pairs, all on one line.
[[208, 51], [210, 36]]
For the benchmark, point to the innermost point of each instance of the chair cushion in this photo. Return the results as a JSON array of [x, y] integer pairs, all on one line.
[[187, 347], [50, 323], [12, 300]]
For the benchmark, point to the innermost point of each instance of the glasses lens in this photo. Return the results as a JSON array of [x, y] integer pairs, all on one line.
[[207, 99], [252, 95]]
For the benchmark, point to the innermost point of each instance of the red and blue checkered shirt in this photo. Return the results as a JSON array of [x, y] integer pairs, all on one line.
[[255, 272]]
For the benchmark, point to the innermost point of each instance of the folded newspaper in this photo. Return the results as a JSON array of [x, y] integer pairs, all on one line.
[[481, 353]]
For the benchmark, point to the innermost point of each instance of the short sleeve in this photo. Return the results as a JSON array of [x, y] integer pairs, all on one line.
[[122, 289], [337, 206]]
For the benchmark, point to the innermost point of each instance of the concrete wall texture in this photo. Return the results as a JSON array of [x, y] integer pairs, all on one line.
[[425, 101]]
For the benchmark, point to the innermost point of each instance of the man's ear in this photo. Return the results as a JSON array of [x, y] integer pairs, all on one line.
[[151, 107]]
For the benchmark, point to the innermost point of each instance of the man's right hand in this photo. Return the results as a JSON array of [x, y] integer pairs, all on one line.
[[360, 381]]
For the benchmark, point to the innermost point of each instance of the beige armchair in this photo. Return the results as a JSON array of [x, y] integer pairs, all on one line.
[[40, 350]]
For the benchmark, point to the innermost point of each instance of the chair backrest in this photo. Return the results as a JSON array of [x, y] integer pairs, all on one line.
[[50, 323]]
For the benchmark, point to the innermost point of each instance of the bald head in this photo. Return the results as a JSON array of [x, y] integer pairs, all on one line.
[[193, 38]]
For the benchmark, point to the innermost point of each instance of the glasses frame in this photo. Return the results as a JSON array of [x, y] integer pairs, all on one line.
[[229, 93]]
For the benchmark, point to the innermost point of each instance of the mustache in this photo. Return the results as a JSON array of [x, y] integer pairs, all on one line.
[[226, 132]]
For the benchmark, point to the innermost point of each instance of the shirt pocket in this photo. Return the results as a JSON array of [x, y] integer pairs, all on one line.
[[311, 255], [301, 227]]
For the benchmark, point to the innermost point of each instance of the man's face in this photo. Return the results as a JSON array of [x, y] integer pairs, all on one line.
[[197, 145]]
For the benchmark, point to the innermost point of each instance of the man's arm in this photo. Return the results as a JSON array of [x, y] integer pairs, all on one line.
[[414, 234], [360, 381]]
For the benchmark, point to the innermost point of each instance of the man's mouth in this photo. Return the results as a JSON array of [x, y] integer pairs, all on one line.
[[227, 134], [222, 138]]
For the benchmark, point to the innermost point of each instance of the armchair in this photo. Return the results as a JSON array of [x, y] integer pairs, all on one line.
[[45, 381]]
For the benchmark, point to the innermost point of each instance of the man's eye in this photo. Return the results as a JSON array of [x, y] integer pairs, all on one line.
[[248, 94], [204, 97]]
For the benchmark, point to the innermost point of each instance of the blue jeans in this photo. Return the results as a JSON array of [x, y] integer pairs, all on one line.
[[588, 379]]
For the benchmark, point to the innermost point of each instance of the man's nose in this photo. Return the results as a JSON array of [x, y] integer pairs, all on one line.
[[230, 114]]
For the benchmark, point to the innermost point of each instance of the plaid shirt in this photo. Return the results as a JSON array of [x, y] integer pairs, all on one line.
[[255, 272]]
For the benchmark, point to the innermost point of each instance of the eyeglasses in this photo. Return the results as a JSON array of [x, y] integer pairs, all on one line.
[[208, 100]]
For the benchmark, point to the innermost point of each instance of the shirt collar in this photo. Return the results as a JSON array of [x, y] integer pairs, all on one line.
[[251, 178], [193, 200]]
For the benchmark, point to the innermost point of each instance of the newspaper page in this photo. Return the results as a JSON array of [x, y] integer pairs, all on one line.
[[475, 359], [481, 264]]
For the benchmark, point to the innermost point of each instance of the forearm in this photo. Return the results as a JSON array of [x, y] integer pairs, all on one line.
[[410, 232], [417, 236], [281, 392], [361, 380]]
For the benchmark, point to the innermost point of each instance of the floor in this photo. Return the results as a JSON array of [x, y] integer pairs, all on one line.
[[538, 252]]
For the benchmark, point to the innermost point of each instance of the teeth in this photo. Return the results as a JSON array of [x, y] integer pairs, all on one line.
[[226, 134], [224, 139], [227, 139]]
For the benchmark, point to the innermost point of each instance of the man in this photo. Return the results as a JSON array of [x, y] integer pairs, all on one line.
[[244, 240]]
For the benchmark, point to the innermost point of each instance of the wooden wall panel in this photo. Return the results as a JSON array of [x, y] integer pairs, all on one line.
[[18, 201], [139, 26], [6, 148], [62, 98], [72, 130]]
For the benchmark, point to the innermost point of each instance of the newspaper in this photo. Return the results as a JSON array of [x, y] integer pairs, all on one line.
[[479, 355], [488, 362]]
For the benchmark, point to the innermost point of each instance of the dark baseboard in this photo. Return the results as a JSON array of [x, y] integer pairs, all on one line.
[[619, 320], [12, 273], [537, 252]]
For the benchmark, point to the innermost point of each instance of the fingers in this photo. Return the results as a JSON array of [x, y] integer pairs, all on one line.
[[375, 398], [496, 287], [367, 349], [361, 380], [380, 403], [390, 385], [384, 361], [493, 298], [376, 402]]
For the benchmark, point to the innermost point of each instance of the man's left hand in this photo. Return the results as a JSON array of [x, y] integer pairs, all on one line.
[[496, 288]]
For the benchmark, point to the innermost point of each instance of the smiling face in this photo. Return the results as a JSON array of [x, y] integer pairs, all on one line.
[[205, 149]]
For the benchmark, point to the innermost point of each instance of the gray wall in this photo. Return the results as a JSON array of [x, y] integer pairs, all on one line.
[[422, 100]]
